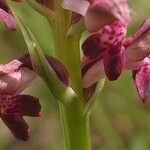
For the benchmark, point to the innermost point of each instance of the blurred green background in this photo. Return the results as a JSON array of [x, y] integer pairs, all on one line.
[[119, 119]]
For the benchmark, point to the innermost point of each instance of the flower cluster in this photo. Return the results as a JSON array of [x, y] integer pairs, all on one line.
[[107, 52], [105, 57]]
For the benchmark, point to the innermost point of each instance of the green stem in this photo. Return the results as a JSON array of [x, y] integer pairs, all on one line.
[[75, 123], [75, 126]]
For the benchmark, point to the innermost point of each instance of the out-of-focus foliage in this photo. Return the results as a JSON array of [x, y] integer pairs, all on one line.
[[119, 119]]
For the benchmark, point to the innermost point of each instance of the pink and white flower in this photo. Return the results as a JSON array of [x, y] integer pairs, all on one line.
[[107, 54]]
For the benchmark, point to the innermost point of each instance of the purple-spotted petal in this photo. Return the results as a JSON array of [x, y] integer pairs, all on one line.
[[12, 110], [92, 47], [17, 125], [111, 35], [114, 62], [139, 47], [142, 81], [25, 105], [102, 12]]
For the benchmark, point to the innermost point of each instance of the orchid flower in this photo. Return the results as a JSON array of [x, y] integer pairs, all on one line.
[[99, 12], [6, 15], [14, 78], [110, 52]]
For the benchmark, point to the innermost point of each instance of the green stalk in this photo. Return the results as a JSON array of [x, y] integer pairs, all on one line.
[[75, 126], [75, 123]]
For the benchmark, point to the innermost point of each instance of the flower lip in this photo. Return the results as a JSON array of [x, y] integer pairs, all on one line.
[[14, 108]]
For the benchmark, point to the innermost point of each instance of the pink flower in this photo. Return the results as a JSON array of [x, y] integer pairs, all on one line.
[[99, 12], [14, 78], [108, 52], [13, 107], [6, 15]]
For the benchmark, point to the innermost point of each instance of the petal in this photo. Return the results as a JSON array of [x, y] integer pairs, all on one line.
[[29, 105], [25, 105], [17, 125], [10, 67], [14, 79], [10, 83], [135, 65], [58, 67], [27, 77], [78, 6], [114, 63], [8, 19], [112, 35], [142, 81], [92, 47], [92, 71], [102, 12], [139, 47]]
